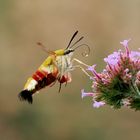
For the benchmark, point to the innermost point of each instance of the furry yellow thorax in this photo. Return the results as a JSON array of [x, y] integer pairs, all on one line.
[[59, 52]]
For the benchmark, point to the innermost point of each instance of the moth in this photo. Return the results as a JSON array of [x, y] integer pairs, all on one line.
[[56, 68]]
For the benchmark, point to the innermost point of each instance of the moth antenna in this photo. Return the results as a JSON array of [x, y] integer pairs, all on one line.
[[42, 46], [72, 39], [86, 53], [76, 41], [45, 49]]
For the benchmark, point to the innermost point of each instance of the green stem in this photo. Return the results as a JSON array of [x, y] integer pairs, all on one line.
[[135, 87]]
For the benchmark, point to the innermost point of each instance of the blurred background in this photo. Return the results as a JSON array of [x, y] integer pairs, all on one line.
[[53, 115]]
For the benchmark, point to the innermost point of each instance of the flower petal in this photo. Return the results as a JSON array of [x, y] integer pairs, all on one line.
[[125, 42], [97, 104], [92, 69]]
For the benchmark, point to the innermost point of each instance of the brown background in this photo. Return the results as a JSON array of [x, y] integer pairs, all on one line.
[[57, 116]]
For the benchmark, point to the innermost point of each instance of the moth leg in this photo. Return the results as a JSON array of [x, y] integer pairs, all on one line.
[[53, 83], [65, 83], [60, 85], [78, 66], [83, 70], [80, 62]]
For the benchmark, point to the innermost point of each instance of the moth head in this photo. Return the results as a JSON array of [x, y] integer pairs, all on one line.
[[72, 47], [66, 52]]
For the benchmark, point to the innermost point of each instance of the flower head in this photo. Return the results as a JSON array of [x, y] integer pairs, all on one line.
[[119, 83]]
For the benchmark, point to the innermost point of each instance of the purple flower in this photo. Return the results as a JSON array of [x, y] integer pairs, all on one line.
[[84, 94], [98, 104], [92, 69], [125, 42], [113, 59], [119, 82]]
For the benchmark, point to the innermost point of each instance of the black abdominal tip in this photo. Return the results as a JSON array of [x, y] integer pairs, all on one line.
[[26, 95]]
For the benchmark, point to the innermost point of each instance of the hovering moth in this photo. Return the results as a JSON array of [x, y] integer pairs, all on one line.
[[56, 68]]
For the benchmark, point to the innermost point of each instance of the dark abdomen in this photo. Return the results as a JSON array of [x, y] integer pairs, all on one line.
[[45, 81]]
